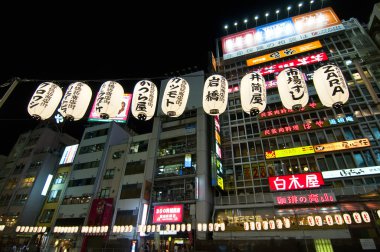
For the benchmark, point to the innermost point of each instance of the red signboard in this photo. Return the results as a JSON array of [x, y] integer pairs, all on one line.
[[307, 60], [168, 214], [101, 212], [296, 182]]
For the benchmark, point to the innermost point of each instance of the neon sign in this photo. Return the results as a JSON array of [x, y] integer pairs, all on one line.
[[300, 181], [168, 214], [343, 145], [289, 152], [285, 111], [310, 198]]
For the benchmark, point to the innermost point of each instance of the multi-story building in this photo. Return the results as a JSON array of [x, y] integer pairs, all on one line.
[[271, 146], [31, 161]]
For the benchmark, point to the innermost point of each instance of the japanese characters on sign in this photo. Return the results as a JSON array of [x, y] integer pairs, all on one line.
[[175, 97], [292, 89], [343, 145], [311, 198], [122, 115], [215, 95], [253, 93], [216, 163], [285, 111], [310, 125], [284, 53], [168, 214], [75, 101], [351, 172], [144, 100], [331, 86], [289, 152], [300, 181], [280, 33], [306, 60], [45, 100]]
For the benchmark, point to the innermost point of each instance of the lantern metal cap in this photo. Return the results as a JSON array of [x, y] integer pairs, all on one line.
[[254, 112], [337, 105], [297, 107], [104, 116]]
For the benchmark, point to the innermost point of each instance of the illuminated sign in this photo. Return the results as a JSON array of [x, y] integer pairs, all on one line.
[[310, 198], [168, 214], [187, 160], [217, 137], [351, 172], [280, 33], [122, 115], [69, 154], [284, 53], [285, 111], [343, 145], [306, 60], [220, 182], [289, 152], [296, 182], [310, 125], [47, 184], [216, 156]]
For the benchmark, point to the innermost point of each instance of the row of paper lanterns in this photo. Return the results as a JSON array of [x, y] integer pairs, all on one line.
[[328, 81], [30, 229]]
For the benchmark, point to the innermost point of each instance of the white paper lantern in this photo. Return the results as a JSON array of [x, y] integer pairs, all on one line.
[[210, 227], [272, 224], [108, 100], [279, 223], [183, 227], [347, 219], [188, 227], [45, 100], [246, 226], [265, 225], [144, 100], [310, 221], [252, 225], [329, 220], [258, 225], [175, 97], [286, 222], [216, 227], [378, 213], [331, 86], [253, 93], [222, 226], [204, 227], [366, 217], [75, 101], [215, 95], [292, 89], [357, 217], [153, 229], [338, 219]]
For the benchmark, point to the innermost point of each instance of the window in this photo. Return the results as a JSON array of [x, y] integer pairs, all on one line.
[[47, 215], [139, 147], [91, 148], [126, 217], [61, 178], [105, 192], [88, 165], [131, 191], [54, 196], [359, 159], [109, 174], [20, 199], [117, 154], [96, 133], [135, 168], [11, 184], [27, 182], [81, 182]]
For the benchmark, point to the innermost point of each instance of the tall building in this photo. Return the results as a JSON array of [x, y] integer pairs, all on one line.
[[340, 147], [30, 163]]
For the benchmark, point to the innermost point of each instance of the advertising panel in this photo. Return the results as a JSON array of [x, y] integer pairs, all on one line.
[[280, 33], [351, 172], [296, 182], [69, 154], [343, 145], [297, 199], [168, 214], [289, 152], [101, 212], [122, 115], [284, 53]]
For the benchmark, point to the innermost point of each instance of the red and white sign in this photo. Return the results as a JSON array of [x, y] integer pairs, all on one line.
[[168, 214], [296, 182], [307, 60]]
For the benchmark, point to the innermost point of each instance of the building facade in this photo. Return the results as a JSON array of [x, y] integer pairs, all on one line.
[[258, 150]]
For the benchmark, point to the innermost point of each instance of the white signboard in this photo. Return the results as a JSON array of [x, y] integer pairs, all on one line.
[[351, 172]]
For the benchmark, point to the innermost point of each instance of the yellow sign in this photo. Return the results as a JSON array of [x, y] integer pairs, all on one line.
[[220, 182], [344, 145], [284, 53], [217, 137], [290, 152]]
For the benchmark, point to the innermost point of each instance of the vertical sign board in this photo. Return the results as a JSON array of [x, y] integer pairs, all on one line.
[[216, 157]]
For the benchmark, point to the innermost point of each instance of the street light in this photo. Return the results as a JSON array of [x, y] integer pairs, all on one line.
[[289, 7], [266, 17], [299, 7], [245, 22], [311, 2], [226, 28], [235, 24], [277, 11], [256, 17]]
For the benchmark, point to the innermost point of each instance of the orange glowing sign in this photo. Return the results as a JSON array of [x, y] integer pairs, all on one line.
[[344, 145], [284, 53], [315, 20]]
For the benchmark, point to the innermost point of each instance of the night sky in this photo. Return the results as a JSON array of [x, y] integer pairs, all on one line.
[[99, 42]]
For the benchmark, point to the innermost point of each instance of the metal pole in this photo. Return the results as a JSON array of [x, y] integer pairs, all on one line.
[[9, 91]]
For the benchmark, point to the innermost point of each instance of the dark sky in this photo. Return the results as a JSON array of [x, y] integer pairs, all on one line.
[[100, 42]]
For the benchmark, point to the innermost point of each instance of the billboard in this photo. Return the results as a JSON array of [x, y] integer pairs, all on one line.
[[289, 152], [284, 53], [300, 181], [69, 154], [279, 33], [351, 172], [343, 145], [122, 115], [168, 214]]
